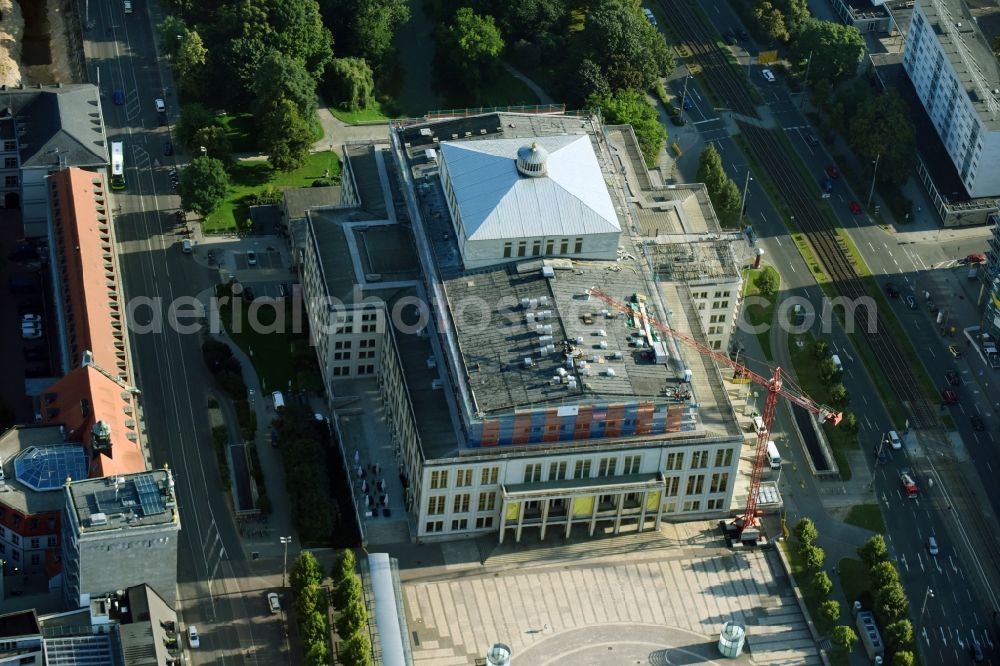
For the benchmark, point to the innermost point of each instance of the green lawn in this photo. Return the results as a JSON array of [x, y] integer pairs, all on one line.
[[807, 375], [757, 315], [376, 114], [240, 132], [868, 516], [284, 360], [248, 177], [804, 579], [854, 582]]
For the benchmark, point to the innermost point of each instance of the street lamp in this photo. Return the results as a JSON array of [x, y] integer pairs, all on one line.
[[927, 595], [874, 172], [285, 541], [743, 202]]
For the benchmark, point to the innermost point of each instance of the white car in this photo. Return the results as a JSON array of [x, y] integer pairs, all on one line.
[[161, 106], [894, 441], [649, 16], [768, 75], [33, 319], [193, 637], [273, 602], [31, 332], [128, 6]]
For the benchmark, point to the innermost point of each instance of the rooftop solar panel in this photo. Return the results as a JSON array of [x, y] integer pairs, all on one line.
[[149, 495]]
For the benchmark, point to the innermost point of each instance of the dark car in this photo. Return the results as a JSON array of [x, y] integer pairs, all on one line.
[[811, 139], [274, 438], [827, 185], [953, 378], [832, 172], [741, 33], [168, 148], [892, 290], [977, 423], [949, 397], [976, 652], [729, 36], [248, 294], [687, 103], [119, 97]]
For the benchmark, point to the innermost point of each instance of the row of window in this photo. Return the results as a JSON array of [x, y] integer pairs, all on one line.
[[346, 356], [15, 555], [33, 542], [459, 524], [704, 294], [345, 370], [536, 247], [718, 483], [583, 469], [461, 503]]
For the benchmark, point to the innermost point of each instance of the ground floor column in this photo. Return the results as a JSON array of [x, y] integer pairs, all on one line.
[[545, 517], [620, 501], [503, 518], [593, 515]]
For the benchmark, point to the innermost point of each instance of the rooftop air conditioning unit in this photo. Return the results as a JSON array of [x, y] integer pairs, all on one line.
[[528, 362]]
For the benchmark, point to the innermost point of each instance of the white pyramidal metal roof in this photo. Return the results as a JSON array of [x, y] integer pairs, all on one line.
[[496, 202]]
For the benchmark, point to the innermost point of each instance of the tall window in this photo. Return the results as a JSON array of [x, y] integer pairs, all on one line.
[[719, 483], [463, 478], [549, 245], [536, 248], [564, 246], [632, 464], [675, 461], [522, 248], [487, 501], [435, 505], [578, 246], [582, 469], [696, 484], [533, 473], [489, 476], [461, 504], [507, 249], [673, 485], [439, 479], [557, 471], [699, 459], [607, 467], [723, 457]]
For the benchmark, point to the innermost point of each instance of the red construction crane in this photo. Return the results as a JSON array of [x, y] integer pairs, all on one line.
[[773, 384]]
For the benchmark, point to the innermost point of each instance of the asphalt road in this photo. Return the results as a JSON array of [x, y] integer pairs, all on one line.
[[954, 614], [219, 590]]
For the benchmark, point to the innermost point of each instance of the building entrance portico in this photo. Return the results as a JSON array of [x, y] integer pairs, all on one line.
[[560, 505]]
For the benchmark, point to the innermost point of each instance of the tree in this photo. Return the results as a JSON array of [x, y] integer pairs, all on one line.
[[313, 627], [528, 19], [904, 658], [204, 185], [771, 20], [828, 370], [813, 556], [630, 52], [343, 567], [317, 654], [821, 349], [353, 618], [821, 583], [474, 45], [805, 531], [844, 637], [839, 397], [299, 33], [883, 574], [891, 604], [873, 551], [281, 76], [306, 571], [829, 611], [589, 81], [836, 49], [309, 599], [285, 136], [189, 63], [899, 636], [365, 28], [347, 593], [214, 139], [796, 13], [357, 650], [722, 191], [850, 423], [881, 130], [194, 117], [767, 281], [630, 107], [350, 84], [172, 31]]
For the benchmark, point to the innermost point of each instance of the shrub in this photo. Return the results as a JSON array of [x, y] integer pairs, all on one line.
[[813, 556], [829, 611], [844, 637], [821, 583], [873, 551], [805, 531]]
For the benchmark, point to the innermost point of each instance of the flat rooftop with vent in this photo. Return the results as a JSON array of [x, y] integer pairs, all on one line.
[[122, 502]]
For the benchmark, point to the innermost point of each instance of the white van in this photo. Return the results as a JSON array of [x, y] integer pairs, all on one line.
[[837, 364], [758, 425], [773, 456], [279, 400]]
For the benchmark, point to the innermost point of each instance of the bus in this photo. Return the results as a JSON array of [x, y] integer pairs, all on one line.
[[117, 166]]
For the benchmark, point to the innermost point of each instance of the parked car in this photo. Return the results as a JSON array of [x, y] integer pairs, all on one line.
[[31, 333], [251, 257], [687, 103], [193, 638], [976, 258], [976, 652], [119, 97], [953, 378], [273, 602], [741, 33], [855, 207], [955, 351], [274, 438], [949, 396], [894, 441], [32, 319], [977, 423], [128, 6], [168, 148], [811, 139], [729, 36], [648, 13], [891, 290], [161, 106], [832, 172], [768, 75]]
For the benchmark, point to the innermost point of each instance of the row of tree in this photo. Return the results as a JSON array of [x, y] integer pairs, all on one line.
[[315, 512], [892, 607], [723, 192], [311, 609], [352, 616], [820, 584], [831, 375]]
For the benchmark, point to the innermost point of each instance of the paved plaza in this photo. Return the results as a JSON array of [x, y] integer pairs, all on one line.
[[647, 598]]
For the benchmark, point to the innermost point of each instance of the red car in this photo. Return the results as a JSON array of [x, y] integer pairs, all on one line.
[[832, 172], [949, 397], [855, 207], [976, 258]]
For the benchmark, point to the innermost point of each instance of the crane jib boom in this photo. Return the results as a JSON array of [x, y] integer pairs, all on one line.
[[773, 385]]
